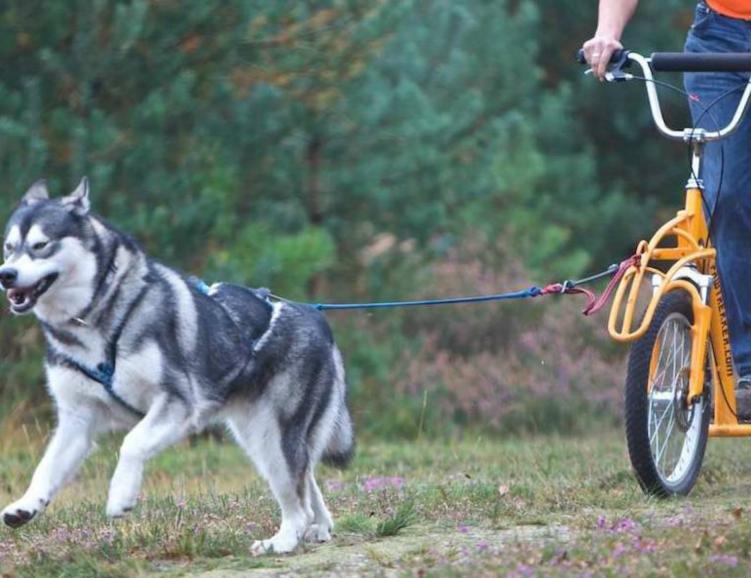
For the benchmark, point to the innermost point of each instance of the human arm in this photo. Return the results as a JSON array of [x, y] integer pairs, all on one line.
[[613, 15]]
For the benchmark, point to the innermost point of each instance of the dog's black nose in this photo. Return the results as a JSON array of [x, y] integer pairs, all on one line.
[[8, 277]]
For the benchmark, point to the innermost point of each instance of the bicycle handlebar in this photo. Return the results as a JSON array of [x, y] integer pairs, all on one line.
[[701, 62], [688, 61], [684, 62]]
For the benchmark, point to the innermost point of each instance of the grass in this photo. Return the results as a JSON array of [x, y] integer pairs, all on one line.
[[535, 506], [403, 516]]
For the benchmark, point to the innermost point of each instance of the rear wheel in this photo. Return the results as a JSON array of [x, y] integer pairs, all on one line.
[[666, 437]]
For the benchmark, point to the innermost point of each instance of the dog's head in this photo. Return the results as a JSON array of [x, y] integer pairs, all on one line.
[[45, 247]]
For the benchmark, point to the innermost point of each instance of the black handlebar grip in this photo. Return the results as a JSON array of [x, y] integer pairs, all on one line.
[[701, 61], [617, 56]]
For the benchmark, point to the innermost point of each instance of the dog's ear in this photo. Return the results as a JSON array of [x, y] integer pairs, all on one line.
[[36, 193], [78, 200]]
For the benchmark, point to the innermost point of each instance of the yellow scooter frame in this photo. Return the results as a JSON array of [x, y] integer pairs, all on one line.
[[691, 249]]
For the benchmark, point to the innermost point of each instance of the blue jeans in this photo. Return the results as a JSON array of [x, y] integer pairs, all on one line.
[[731, 229]]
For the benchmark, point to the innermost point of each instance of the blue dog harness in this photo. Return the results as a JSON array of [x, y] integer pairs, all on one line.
[[104, 373]]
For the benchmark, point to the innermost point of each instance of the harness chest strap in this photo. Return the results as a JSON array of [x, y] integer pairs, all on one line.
[[104, 373]]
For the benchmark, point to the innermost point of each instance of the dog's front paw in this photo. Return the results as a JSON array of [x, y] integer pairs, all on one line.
[[276, 545], [118, 510], [22, 511], [118, 507], [318, 533]]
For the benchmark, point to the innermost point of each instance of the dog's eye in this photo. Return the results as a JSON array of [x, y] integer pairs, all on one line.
[[39, 245], [8, 248]]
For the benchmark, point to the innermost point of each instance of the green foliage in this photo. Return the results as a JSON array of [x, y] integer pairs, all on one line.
[[284, 262], [344, 150], [356, 523]]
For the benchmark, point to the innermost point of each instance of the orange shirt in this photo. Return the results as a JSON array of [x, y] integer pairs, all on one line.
[[733, 8]]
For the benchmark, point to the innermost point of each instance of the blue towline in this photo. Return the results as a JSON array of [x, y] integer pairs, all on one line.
[[568, 286], [527, 293]]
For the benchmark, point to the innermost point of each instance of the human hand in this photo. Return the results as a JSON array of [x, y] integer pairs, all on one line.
[[598, 50]]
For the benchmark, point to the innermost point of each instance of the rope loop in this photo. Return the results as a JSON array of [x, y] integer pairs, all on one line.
[[596, 304]]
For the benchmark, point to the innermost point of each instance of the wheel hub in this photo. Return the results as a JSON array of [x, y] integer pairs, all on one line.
[[684, 412]]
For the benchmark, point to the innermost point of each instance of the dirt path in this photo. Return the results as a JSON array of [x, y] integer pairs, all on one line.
[[345, 557]]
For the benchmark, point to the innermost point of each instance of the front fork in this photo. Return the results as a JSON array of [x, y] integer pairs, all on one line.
[[699, 330]]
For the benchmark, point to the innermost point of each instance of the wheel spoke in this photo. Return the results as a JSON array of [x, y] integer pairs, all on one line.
[[670, 411], [670, 445], [666, 443]]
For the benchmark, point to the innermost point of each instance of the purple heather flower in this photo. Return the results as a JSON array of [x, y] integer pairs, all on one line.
[[334, 485], [725, 559], [625, 525], [621, 525], [675, 521], [524, 570], [380, 483]]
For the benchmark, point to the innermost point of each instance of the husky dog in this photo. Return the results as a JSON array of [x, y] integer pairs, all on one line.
[[131, 344]]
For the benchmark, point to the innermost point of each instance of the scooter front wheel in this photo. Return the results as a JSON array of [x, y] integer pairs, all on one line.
[[666, 436]]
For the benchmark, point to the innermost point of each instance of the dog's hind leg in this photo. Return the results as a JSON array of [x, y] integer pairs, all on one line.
[[70, 443], [323, 524], [291, 494], [261, 438], [167, 422]]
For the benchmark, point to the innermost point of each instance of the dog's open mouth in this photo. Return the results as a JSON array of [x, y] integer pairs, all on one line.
[[22, 299]]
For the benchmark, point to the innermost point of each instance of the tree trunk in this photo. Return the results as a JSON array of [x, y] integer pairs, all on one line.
[[313, 186]]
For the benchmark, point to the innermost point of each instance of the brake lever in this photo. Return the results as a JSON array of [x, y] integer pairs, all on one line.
[[615, 71], [617, 76]]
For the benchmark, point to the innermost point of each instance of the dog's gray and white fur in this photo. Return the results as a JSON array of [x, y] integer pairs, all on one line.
[[181, 358]]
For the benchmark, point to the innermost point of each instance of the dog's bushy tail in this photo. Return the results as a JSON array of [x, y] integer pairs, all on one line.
[[341, 446]]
